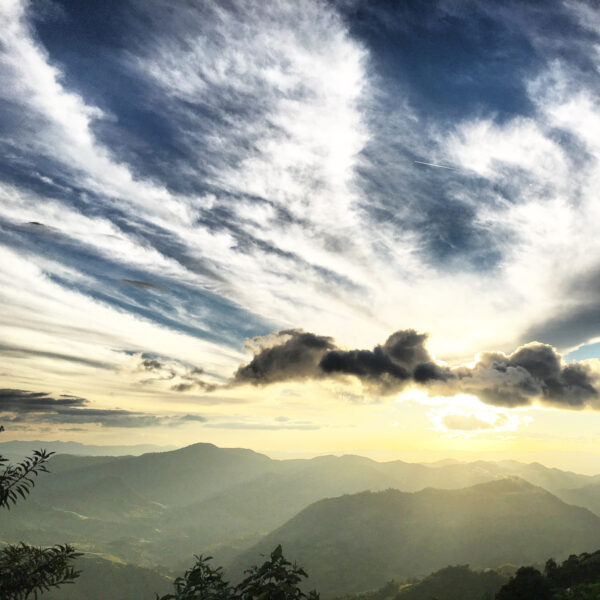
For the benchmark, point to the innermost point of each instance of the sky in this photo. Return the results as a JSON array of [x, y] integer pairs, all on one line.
[[303, 227]]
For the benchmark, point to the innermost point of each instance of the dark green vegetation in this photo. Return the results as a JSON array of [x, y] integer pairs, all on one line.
[[159, 509], [450, 583], [275, 579], [27, 570], [577, 578], [455, 583]]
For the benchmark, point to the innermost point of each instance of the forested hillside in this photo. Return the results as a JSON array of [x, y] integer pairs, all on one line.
[[391, 534]]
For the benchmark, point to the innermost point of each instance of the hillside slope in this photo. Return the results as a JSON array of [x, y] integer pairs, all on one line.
[[106, 580], [587, 496], [260, 504], [357, 542], [178, 477], [219, 500]]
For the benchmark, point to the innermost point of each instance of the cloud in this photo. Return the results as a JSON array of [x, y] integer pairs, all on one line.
[[283, 356], [265, 426], [401, 359], [141, 285], [294, 354], [533, 373], [22, 401], [21, 352], [188, 377], [256, 162], [467, 417], [465, 423], [22, 406]]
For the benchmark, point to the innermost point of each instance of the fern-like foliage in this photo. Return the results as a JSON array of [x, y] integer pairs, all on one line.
[[27, 570]]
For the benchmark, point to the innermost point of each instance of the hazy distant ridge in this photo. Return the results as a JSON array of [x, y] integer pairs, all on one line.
[[22, 448]]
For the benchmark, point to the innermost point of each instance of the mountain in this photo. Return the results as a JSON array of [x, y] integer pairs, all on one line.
[[357, 542], [587, 496], [162, 508], [178, 477], [17, 449], [103, 579], [270, 499], [456, 475], [72, 462], [245, 483], [109, 498], [267, 501]]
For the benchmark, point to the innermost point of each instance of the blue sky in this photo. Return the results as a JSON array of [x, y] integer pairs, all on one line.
[[181, 181]]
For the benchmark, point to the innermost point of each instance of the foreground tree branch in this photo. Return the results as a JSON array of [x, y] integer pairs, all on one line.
[[276, 579], [28, 570]]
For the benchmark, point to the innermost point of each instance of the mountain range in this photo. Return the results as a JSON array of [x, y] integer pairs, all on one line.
[[366, 519], [17, 449]]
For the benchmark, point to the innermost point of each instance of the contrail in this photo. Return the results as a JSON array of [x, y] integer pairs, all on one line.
[[420, 162]]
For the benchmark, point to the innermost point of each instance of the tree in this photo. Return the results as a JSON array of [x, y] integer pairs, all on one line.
[[201, 582], [527, 584], [17, 480], [587, 591], [276, 579], [25, 570]]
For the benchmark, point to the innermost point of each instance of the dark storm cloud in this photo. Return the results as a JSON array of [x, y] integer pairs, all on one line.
[[286, 355], [295, 354], [365, 364], [534, 372], [401, 359], [407, 347], [22, 406]]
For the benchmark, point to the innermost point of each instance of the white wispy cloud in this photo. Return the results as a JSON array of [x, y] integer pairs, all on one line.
[[279, 110]]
